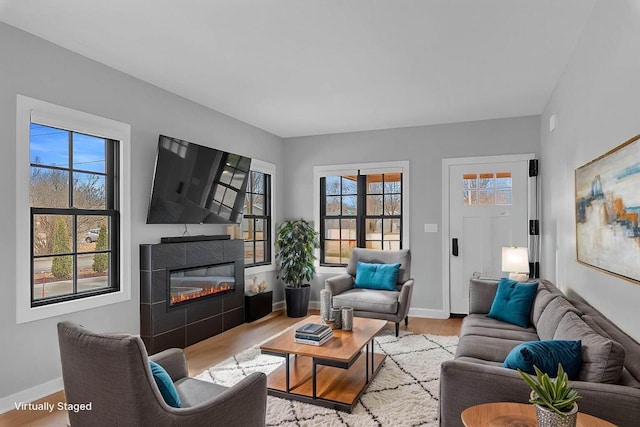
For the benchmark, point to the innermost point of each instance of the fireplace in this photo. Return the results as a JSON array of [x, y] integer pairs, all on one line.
[[190, 291], [186, 285]]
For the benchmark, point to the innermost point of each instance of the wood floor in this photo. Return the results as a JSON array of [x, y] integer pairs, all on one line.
[[216, 349]]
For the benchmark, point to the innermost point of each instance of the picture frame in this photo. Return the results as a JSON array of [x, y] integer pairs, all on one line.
[[607, 203]]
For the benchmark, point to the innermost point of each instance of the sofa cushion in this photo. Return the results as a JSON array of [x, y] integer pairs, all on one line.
[[368, 300], [485, 348], [543, 298], [602, 358], [165, 385], [377, 276], [512, 302], [479, 324], [194, 392], [546, 355], [551, 315], [631, 346]]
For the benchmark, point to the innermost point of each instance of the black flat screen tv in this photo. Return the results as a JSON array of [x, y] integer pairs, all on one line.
[[194, 184]]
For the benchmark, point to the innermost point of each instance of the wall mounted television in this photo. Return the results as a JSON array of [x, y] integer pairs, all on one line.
[[194, 184]]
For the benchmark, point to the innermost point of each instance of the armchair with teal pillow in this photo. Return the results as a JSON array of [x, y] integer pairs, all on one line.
[[114, 374], [377, 285]]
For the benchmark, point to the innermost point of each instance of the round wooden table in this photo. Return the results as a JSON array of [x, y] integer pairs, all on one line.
[[507, 414]]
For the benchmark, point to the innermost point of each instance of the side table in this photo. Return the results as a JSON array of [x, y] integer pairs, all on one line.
[[257, 305], [505, 414]]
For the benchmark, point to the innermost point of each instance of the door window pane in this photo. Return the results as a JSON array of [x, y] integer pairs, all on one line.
[[487, 188]]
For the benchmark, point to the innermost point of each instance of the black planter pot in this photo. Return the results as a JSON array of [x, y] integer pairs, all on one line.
[[297, 300]]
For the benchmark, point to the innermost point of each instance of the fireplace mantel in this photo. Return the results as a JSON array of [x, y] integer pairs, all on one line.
[[181, 326]]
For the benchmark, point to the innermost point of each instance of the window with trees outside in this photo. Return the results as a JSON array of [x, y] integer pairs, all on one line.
[[73, 198], [364, 209], [256, 223]]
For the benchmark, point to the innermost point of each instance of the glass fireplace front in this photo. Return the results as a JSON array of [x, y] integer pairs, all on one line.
[[190, 284]]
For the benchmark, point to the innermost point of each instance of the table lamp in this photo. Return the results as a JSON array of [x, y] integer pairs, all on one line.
[[515, 260]]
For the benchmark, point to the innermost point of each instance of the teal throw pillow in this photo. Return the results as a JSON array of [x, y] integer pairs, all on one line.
[[167, 389], [546, 355], [377, 276], [513, 301]]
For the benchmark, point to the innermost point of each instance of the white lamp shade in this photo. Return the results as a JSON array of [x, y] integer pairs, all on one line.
[[515, 259]]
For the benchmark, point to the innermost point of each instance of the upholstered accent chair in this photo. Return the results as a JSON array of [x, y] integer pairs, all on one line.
[[373, 303], [111, 371]]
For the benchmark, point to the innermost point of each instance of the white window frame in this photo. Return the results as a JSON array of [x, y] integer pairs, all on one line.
[[45, 113], [268, 168], [401, 166]]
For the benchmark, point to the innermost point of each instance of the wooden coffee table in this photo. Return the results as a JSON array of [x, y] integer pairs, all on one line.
[[333, 375], [507, 414]]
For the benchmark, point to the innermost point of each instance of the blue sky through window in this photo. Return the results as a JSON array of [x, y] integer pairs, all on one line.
[[50, 146]]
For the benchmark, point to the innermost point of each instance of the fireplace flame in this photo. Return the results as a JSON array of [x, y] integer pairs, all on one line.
[[220, 287]]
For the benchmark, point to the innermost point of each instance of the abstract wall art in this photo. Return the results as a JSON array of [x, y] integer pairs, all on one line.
[[607, 210]]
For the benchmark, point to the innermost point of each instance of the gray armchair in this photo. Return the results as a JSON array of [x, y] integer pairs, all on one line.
[[377, 304], [111, 371]]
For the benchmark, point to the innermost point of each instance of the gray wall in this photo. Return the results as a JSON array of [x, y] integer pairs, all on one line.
[[596, 101], [424, 147], [38, 69]]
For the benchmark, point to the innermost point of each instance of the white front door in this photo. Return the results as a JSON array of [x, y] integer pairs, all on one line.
[[488, 209]]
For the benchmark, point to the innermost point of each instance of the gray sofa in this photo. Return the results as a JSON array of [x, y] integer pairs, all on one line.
[[609, 379]]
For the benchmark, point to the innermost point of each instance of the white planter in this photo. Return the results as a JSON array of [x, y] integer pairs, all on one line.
[[549, 418]]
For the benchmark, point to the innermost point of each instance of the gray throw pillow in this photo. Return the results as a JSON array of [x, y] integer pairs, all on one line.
[[602, 358]]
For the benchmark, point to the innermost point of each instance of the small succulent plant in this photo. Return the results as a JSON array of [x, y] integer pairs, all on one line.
[[554, 394]]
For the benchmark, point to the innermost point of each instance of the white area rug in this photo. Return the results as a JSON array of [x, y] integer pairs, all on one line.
[[404, 393]]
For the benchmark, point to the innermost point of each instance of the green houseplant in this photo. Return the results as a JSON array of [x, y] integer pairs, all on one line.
[[295, 246], [555, 401]]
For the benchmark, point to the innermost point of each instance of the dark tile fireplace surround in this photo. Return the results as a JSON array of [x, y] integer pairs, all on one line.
[[162, 327]]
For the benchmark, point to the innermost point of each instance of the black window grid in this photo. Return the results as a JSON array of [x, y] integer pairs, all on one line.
[[265, 217], [111, 212], [361, 218]]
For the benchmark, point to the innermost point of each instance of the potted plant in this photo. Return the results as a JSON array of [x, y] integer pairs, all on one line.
[[555, 401], [295, 246]]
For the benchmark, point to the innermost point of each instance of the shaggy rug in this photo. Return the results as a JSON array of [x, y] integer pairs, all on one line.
[[404, 393]]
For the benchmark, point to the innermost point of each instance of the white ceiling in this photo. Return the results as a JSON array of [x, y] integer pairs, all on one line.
[[307, 67]]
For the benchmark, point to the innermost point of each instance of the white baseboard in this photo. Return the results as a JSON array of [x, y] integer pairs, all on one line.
[[428, 313], [31, 394], [414, 312], [280, 305]]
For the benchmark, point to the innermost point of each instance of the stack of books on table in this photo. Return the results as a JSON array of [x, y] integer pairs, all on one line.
[[313, 334]]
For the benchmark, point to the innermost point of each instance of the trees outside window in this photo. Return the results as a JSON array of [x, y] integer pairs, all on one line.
[[256, 223], [74, 214], [359, 210]]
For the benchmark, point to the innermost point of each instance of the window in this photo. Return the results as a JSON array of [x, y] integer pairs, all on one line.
[[74, 214], [486, 188], [364, 207], [257, 227], [73, 221]]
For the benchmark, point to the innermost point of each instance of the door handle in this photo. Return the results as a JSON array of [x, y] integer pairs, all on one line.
[[454, 246]]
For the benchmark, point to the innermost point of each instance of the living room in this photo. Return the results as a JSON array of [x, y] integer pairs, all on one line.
[[589, 92]]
